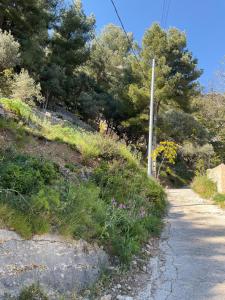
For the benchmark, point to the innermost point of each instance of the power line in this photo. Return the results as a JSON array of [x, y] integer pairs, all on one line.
[[123, 27], [165, 12]]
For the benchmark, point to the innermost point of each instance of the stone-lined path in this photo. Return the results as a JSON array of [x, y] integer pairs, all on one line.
[[190, 264]]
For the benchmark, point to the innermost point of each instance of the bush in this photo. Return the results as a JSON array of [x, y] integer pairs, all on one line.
[[15, 220], [34, 292], [25, 174], [82, 213], [219, 199], [9, 51], [204, 186], [135, 207], [25, 88], [18, 107]]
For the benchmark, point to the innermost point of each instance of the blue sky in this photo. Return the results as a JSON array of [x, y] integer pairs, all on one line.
[[202, 20]]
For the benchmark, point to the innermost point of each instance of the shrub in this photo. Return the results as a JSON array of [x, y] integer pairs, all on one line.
[[219, 199], [25, 88], [25, 174], [204, 186], [9, 51], [32, 292], [15, 220], [135, 206], [16, 130], [83, 212], [18, 107]]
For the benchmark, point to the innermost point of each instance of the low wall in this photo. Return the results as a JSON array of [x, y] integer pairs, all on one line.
[[218, 176]]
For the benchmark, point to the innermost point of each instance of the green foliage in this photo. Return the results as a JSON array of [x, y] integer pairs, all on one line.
[[198, 158], [34, 198], [90, 145], [24, 88], [133, 212], [219, 199], [68, 50], [18, 107], [182, 127], [83, 212], [29, 22], [205, 187], [9, 51], [14, 219], [34, 188], [15, 129], [32, 292], [209, 109], [167, 152], [176, 74], [25, 174]]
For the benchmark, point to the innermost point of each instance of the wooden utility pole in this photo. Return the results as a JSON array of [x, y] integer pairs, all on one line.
[[151, 123]]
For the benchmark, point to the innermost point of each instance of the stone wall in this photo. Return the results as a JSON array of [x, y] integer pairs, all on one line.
[[218, 176]]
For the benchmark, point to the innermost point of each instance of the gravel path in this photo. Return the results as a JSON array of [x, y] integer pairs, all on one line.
[[190, 264]]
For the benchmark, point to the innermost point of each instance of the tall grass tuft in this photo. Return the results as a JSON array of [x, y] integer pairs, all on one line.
[[204, 186]]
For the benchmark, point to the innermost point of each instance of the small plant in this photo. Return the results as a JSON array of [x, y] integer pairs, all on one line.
[[33, 292], [219, 199], [204, 186], [25, 174], [167, 153]]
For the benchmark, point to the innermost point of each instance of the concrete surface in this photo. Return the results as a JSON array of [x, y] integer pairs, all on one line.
[[60, 266], [190, 264]]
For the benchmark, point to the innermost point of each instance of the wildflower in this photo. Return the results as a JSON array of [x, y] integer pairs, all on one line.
[[113, 202], [122, 206]]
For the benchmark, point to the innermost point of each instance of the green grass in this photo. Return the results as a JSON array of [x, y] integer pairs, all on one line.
[[203, 186], [90, 145], [32, 292], [219, 199], [118, 207]]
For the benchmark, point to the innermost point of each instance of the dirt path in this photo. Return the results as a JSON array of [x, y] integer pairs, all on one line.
[[191, 260]]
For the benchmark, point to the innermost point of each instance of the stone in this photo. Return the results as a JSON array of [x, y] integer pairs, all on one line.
[[106, 297], [122, 297], [134, 262], [218, 176], [59, 265], [144, 268]]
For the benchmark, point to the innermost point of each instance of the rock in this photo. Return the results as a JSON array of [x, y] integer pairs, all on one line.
[[119, 286], [60, 266], [134, 262], [122, 297], [106, 297], [144, 268]]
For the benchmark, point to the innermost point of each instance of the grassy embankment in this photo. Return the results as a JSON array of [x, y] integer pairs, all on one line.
[[118, 206], [207, 189]]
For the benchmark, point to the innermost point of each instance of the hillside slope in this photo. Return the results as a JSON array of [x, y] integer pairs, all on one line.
[[63, 179]]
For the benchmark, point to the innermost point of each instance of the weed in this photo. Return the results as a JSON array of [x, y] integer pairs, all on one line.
[[219, 199], [119, 207], [204, 186], [32, 292]]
